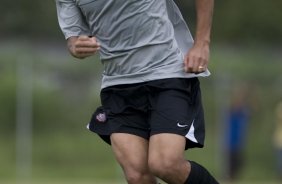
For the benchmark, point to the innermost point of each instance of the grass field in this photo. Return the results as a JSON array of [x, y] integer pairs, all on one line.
[[103, 182]]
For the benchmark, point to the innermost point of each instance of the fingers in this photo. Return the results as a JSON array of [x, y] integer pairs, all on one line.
[[202, 68], [85, 46], [82, 55], [195, 64], [196, 61], [84, 49], [87, 42]]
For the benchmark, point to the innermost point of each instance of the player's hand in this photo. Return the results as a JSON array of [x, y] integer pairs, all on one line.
[[197, 58], [83, 46]]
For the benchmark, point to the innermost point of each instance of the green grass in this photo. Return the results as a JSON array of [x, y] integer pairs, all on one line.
[[110, 182]]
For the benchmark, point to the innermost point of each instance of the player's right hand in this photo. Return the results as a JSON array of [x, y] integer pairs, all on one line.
[[83, 46]]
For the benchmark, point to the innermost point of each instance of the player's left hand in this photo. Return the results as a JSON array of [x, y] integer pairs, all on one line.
[[197, 58]]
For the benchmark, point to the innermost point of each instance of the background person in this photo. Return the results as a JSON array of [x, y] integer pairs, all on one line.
[[238, 117], [278, 139]]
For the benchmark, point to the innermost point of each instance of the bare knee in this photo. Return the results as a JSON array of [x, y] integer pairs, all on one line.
[[163, 167], [166, 158], [133, 158], [171, 169], [133, 176], [137, 172]]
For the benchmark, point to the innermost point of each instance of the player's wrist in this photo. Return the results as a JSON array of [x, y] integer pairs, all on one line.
[[202, 42]]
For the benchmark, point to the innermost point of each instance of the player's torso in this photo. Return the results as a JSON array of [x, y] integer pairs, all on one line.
[[126, 24], [137, 39]]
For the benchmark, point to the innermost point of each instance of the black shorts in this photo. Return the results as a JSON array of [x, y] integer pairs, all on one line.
[[154, 107]]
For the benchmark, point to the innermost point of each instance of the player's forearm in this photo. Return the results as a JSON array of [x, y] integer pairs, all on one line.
[[204, 10]]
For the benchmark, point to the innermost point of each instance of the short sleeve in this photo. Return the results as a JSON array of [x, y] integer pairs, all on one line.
[[71, 20], [181, 31]]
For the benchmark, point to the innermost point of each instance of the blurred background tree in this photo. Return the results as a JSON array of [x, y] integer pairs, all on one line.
[[235, 21], [27, 18]]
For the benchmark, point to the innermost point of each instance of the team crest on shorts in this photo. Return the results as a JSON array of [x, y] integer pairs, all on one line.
[[101, 117]]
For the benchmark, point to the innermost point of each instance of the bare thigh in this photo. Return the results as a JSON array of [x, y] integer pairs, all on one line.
[[132, 154], [166, 157]]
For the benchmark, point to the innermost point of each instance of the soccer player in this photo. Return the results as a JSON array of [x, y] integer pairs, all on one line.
[[151, 108]]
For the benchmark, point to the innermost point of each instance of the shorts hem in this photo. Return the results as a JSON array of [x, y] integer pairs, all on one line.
[[189, 143]]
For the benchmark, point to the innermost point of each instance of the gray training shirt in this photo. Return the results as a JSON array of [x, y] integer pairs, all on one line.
[[141, 40]]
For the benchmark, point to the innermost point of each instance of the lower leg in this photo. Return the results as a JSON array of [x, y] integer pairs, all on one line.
[[166, 161], [137, 177], [174, 173], [199, 175], [186, 173]]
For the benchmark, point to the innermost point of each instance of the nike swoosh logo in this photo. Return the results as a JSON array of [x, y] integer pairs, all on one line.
[[181, 126]]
